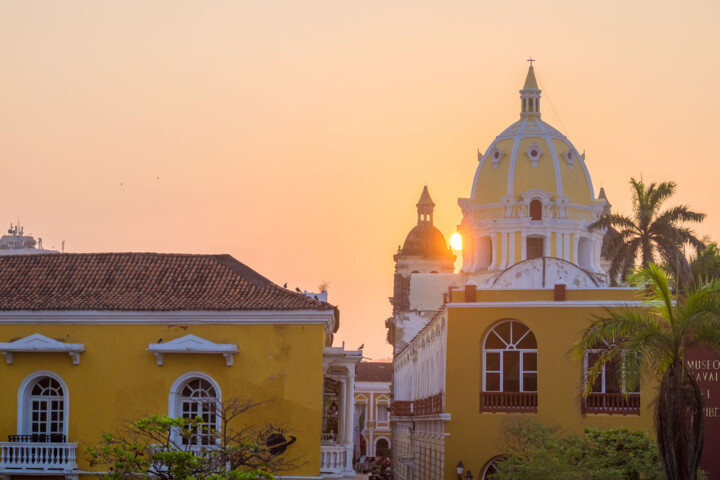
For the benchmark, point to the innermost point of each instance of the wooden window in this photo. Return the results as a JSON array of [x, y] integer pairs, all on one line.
[[535, 210], [535, 247]]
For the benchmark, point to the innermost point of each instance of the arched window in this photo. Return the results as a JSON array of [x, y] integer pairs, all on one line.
[[584, 259], [43, 408], [382, 448], [535, 210], [197, 395], [510, 368], [490, 469]]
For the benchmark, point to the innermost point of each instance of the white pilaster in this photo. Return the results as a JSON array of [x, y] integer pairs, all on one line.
[[566, 246]]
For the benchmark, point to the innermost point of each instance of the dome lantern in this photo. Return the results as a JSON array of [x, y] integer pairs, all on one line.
[[425, 207], [530, 95]]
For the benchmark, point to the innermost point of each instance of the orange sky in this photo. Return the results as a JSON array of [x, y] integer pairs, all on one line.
[[297, 136]]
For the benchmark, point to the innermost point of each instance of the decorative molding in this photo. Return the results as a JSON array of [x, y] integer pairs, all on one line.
[[193, 344], [495, 155], [37, 343], [534, 152]]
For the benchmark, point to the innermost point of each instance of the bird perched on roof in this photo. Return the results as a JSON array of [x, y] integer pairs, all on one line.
[[361, 347], [285, 286], [298, 290]]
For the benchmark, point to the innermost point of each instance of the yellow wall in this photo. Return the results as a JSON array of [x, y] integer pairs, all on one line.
[[118, 379], [473, 436]]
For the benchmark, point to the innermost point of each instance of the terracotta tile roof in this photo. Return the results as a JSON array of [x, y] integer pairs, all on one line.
[[140, 282], [373, 372]]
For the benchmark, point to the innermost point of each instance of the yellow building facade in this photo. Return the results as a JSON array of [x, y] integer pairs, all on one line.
[[496, 347], [372, 409], [92, 340]]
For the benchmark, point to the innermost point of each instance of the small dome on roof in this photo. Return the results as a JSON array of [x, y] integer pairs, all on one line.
[[425, 240]]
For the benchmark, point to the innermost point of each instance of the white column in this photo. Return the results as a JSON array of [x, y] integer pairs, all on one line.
[[576, 242], [566, 246], [503, 260], [511, 248], [350, 413], [558, 245], [546, 244], [341, 422], [523, 246]]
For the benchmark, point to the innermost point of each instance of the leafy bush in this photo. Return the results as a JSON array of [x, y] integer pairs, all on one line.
[[537, 451]]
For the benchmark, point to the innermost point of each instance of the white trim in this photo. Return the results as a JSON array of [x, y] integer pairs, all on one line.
[[551, 303], [37, 343], [23, 416], [193, 344], [195, 317]]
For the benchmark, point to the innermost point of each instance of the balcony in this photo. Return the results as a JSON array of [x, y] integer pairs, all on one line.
[[429, 405], [612, 403], [334, 458], [402, 408], [37, 453], [511, 402]]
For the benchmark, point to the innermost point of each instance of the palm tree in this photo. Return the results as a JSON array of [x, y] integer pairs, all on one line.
[[650, 342], [649, 234]]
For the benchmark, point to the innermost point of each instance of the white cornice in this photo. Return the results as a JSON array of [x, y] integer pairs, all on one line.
[[551, 303], [84, 317], [193, 344]]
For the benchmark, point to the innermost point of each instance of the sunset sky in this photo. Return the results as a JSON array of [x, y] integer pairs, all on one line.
[[297, 135]]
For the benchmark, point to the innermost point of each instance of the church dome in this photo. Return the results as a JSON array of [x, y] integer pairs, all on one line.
[[531, 154], [425, 241]]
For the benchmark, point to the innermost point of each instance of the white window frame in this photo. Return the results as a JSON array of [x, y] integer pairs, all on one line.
[[509, 348], [24, 412], [175, 398]]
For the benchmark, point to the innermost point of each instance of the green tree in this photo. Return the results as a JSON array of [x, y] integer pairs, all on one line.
[[705, 264], [650, 343], [166, 448], [649, 234], [538, 451]]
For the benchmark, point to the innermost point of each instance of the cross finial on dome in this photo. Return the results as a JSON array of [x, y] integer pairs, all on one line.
[[531, 60], [425, 207]]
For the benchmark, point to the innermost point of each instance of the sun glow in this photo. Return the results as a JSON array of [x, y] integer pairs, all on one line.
[[456, 241]]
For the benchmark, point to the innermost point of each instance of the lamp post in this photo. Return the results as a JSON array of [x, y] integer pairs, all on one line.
[[460, 469]]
